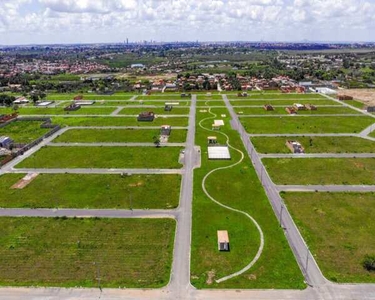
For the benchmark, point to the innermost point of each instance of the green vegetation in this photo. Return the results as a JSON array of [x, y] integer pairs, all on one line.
[[285, 102], [315, 144], [295, 124], [118, 121], [339, 229], [277, 267], [282, 111], [104, 157], [24, 132], [355, 103], [278, 96], [321, 171], [117, 96], [165, 97], [69, 252], [61, 111], [118, 136], [103, 191], [158, 111]]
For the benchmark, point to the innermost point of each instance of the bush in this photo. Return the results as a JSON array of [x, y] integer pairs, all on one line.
[[369, 262]]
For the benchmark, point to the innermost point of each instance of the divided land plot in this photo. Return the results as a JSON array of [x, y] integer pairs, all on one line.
[[158, 111], [282, 111], [60, 111], [118, 136], [239, 188], [101, 191], [310, 124], [24, 132], [321, 171], [339, 228], [118, 96], [355, 103], [207, 98], [315, 144], [104, 157], [163, 97], [69, 252], [286, 102], [119, 121], [278, 96]]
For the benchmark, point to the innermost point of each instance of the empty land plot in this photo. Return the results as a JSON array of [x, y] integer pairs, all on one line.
[[321, 171], [163, 97], [282, 111], [102, 191], [276, 267], [24, 132], [118, 121], [89, 96], [208, 98], [355, 103], [158, 110], [118, 136], [339, 229], [315, 144], [279, 96], [283, 102], [104, 157], [306, 124], [70, 252], [61, 111]]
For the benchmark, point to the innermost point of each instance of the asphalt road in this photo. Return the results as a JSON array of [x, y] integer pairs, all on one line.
[[301, 115], [326, 188], [319, 155]]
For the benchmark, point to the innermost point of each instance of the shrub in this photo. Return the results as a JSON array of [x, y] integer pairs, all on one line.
[[369, 262]]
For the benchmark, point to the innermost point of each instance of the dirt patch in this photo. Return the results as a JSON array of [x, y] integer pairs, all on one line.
[[24, 181], [252, 277], [210, 277], [137, 184], [366, 96], [359, 165]]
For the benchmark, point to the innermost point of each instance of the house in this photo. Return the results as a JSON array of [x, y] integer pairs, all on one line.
[[168, 108], [223, 240], [344, 97], [311, 107], [78, 97], [72, 107], [268, 107], [20, 100], [165, 130], [212, 140], [146, 116], [291, 110], [370, 109], [6, 118], [295, 147], [299, 106], [5, 142]]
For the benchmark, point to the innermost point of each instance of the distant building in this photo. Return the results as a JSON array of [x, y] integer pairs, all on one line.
[[223, 240], [344, 97], [370, 109], [137, 66], [5, 142], [295, 147], [165, 130], [147, 116], [72, 107], [268, 107]]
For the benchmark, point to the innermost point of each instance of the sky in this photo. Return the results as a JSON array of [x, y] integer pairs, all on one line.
[[107, 21]]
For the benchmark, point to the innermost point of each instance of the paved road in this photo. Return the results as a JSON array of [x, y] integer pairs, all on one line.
[[310, 270], [116, 112], [106, 116], [111, 144], [326, 188], [319, 155], [262, 106], [301, 134], [301, 115], [94, 171], [122, 127]]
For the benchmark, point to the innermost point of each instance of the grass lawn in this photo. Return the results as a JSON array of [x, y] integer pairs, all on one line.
[[158, 111], [89, 96], [118, 136], [355, 103], [295, 124], [285, 102], [321, 171], [319, 144], [68, 252], [207, 98], [282, 111], [240, 188], [278, 96], [101, 191], [24, 132], [118, 121], [339, 229], [163, 97], [104, 157]]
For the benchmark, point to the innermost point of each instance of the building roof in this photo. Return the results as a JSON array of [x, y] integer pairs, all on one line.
[[219, 123], [218, 152], [222, 236]]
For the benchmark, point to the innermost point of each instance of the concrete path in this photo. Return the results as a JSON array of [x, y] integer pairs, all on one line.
[[111, 144], [326, 188], [319, 155], [116, 112]]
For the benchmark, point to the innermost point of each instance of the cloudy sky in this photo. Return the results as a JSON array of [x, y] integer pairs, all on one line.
[[90, 21]]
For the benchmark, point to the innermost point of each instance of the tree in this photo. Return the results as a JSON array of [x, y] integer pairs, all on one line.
[[156, 141], [369, 262]]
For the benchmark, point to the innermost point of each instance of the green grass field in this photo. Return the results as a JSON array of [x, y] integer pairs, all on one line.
[[321, 171], [61, 111], [101, 191], [285, 102], [339, 229], [278, 96], [319, 144], [166, 97], [118, 96], [69, 252], [355, 103], [24, 132], [277, 267], [118, 136], [104, 157], [282, 111], [295, 124], [118, 121], [158, 111]]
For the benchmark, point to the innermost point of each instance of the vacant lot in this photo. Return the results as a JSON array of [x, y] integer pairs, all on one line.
[[278, 96], [339, 229], [367, 96], [104, 157], [166, 97], [118, 136], [158, 111], [355, 103], [118, 96], [118, 121], [70, 252], [101, 191], [323, 171], [282, 111], [24, 132], [309, 124], [285, 102], [315, 144]]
